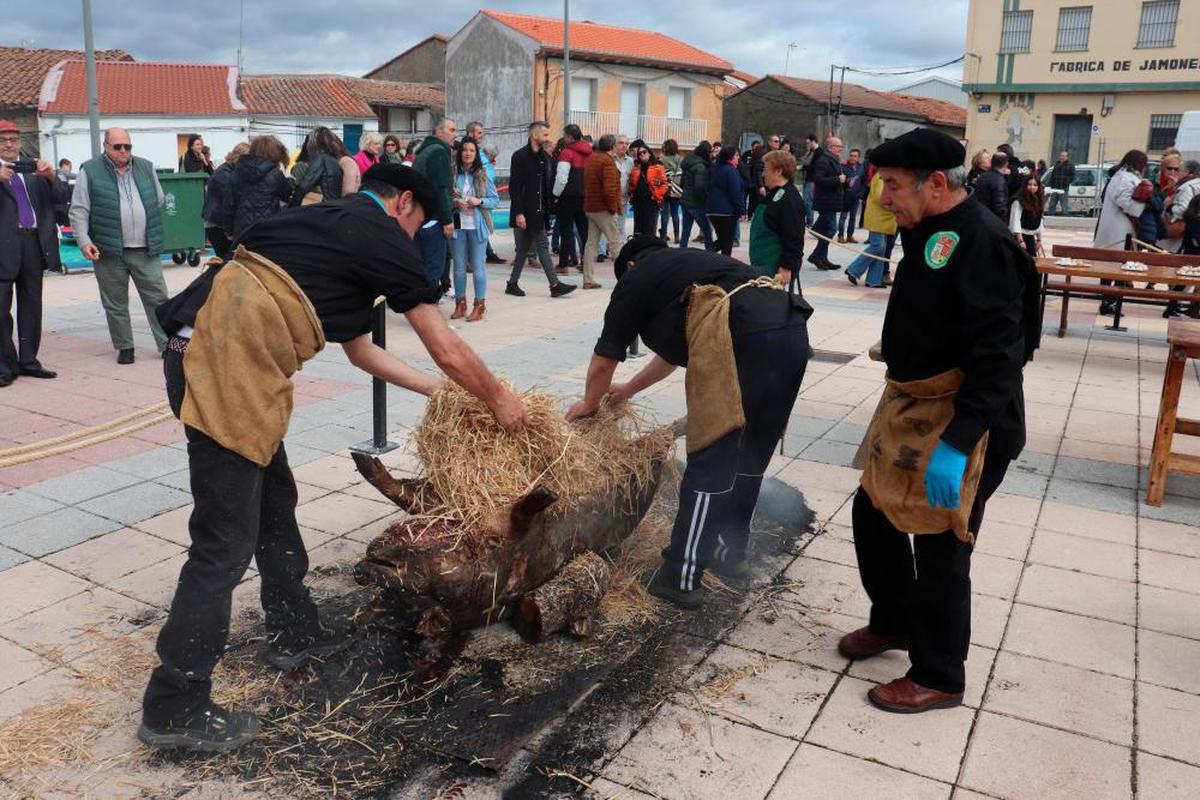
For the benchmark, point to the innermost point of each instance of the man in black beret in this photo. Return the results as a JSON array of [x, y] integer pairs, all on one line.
[[744, 343], [296, 280], [957, 314]]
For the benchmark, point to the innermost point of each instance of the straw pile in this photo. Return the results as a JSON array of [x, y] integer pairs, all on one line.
[[475, 468]]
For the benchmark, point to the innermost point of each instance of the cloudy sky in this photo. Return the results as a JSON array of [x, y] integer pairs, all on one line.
[[351, 36]]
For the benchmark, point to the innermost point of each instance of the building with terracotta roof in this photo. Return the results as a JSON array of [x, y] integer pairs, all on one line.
[[289, 106], [937, 88], [862, 117], [160, 104], [22, 70], [507, 69]]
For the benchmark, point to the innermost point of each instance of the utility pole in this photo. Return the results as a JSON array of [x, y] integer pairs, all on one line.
[[788, 59], [566, 62], [92, 90]]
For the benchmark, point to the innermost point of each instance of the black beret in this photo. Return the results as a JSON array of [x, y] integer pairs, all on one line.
[[922, 148], [631, 250], [405, 179]]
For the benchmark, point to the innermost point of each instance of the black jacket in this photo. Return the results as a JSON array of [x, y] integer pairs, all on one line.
[[258, 187], [189, 163], [960, 300], [784, 217], [1061, 176], [828, 191], [694, 180], [324, 173], [991, 190], [218, 203], [530, 187], [43, 195]]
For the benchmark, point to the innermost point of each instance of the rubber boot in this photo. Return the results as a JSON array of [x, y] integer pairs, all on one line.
[[477, 311], [460, 309]]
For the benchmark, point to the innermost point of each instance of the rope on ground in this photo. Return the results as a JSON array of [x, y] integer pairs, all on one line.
[[87, 437], [836, 243]]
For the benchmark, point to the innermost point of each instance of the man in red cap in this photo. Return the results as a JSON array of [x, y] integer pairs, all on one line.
[[28, 246]]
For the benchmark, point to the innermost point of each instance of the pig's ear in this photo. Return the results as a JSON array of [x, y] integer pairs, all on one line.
[[408, 494], [528, 507]]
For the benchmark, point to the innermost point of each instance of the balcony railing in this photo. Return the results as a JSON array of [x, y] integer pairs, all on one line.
[[654, 130]]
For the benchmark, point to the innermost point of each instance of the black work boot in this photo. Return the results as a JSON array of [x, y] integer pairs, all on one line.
[[514, 290], [561, 289], [734, 574], [688, 599], [212, 729], [287, 653]]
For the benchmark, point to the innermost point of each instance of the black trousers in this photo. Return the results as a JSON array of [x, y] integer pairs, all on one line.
[[645, 216], [241, 512], [723, 228], [570, 213], [922, 587], [26, 287], [221, 244], [720, 484]]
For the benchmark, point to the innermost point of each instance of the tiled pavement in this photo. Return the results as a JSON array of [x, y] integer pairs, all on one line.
[[1086, 629]]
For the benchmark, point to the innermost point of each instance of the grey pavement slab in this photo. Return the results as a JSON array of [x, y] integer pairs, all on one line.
[[56, 531], [1091, 471], [20, 504], [136, 503], [75, 487], [11, 558], [151, 463], [1096, 496]]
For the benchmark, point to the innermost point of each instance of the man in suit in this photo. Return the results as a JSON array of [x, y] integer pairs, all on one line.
[[28, 245]]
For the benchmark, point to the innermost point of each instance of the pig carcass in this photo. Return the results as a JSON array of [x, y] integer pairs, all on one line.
[[464, 581]]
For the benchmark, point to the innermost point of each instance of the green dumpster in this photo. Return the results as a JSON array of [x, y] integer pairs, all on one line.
[[183, 203]]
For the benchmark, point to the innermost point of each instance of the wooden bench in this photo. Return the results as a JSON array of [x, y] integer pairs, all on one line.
[[1183, 339], [1100, 263]]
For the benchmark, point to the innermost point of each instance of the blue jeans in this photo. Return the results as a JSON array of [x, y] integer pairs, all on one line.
[[876, 246], [808, 201], [1058, 200], [698, 216], [848, 219], [826, 225], [669, 212], [468, 249], [432, 242]]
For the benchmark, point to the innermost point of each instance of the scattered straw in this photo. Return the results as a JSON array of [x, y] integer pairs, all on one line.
[[475, 468], [50, 735]]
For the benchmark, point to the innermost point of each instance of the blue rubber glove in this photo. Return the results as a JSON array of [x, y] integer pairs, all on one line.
[[943, 476]]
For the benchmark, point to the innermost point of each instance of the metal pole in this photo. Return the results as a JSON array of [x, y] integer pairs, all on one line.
[[829, 108], [566, 62], [89, 49], [379, 443]]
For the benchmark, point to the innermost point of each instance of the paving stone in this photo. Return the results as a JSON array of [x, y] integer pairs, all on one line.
[[1014, 509], [1169, 723], [136, 503], [33, 585], [1169, 537], [1168, 611], [337, 513], [1164, 779], [1168, 661], [83, 484], [1069, 639], [989, 615], [895, 664], [817, 772], [1088, 522], [152, 463], [1169, 571], [1185, 510], [927, 744], [830, 452], [604, 789], [113, 555], [19, 505], [1080, 593], [56, 531], [1012, 758], [786, 630], [1086, 702], [10, 558], [831, 548], [1092, 471], [994, 575], [777, 695], [41, 690], [1004, 539], [1082, 554], [683, 753], [19, 665], [825, 587], [1117, 500], [153, 585], [77, 625], [172, 526]]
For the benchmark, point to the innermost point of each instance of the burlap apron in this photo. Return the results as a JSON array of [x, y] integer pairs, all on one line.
[[714, 397], [895, 453]]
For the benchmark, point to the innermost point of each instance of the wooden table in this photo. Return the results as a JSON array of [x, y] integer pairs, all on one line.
[[1106, 264], [1183, 338]]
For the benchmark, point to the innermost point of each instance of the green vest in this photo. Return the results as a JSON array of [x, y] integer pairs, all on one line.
[[104, 226], [765, 247]]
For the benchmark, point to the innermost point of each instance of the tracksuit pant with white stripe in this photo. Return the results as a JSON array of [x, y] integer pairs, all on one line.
[[721, 482]]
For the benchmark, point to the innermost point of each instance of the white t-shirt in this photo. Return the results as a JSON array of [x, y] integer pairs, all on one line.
[[466, 190]]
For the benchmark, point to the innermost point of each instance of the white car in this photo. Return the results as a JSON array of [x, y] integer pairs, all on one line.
[[1090, 179]]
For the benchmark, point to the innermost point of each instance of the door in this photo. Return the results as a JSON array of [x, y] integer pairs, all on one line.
[[633, 103], [1073, 133], [351, 133]]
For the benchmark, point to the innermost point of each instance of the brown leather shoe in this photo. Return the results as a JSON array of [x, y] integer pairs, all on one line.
[[477, 311], [460, 309], [864, 643], [902, 696], [561, 271], [591, 285]]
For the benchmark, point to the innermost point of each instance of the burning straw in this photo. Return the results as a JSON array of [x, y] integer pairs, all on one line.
[[475, 468]]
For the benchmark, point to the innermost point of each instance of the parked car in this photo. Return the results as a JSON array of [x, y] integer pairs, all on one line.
[[1089, 182]]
